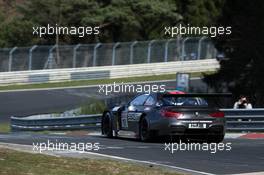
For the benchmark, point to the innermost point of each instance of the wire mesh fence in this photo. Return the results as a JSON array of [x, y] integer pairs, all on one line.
[[105, 54]]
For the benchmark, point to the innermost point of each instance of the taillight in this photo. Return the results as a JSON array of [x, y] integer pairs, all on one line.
[[217, 114], [171, 114]]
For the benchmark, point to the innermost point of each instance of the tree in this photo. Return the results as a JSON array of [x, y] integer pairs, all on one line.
[[15, 33], [139, 20], [200, 13], [243, 72], [63, 13], [118, 20]]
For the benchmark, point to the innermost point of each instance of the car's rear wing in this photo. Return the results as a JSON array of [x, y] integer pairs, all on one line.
[[221, 100], [169, 94]]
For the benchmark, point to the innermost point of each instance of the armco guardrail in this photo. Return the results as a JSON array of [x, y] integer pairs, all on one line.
[[245, 119], [237, 120], [56, 123], [107, 72]]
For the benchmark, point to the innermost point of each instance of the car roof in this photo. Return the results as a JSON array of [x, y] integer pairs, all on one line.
[[172, 92], [175, 92]]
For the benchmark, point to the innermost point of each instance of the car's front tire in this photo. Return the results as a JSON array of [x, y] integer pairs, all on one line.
[[107, 125], [144, 133]]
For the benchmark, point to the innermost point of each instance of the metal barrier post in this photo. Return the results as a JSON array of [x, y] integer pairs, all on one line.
[[149, 49], [199, 47], [30, 57], [95, 52], [11, 58], [74, 55], [215, 51], [132, 51], [166, 50], [183, 48], [113, 53], [178, 47], [50, 58]]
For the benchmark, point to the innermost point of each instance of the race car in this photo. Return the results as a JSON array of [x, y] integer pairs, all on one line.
[[174, 113]]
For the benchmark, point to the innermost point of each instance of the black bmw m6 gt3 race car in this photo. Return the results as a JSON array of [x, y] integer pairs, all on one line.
[[173, 114]]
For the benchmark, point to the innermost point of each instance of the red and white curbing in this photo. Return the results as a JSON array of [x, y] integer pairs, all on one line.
[[244, 135]]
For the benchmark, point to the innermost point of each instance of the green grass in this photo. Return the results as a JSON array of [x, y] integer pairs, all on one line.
[[21, 163], [93, 107], [4, 127], [95, 82]]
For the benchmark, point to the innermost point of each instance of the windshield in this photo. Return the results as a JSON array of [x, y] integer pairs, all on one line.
[[183, 101]]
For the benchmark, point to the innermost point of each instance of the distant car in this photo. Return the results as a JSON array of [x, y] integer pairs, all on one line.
[[174, 114]]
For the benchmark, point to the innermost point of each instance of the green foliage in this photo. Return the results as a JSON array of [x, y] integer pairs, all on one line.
[[118, 20], [4, 127], [16, 33], [94, 106], [202, 12], [139, 20]]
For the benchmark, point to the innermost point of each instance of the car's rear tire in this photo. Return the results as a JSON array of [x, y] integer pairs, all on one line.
[[144, 133], [107, 125]]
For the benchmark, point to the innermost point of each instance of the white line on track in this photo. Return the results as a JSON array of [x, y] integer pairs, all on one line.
[[114, 147], [254, 173], [88, 86], [28, 148], [148, 162], [143, 147]]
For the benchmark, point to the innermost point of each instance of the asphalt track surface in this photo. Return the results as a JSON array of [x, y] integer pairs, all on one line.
[[30, 102], [246, 156]]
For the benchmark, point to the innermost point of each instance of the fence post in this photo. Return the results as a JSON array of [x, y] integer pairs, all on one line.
[[199, 47], [132, 51], [166, 50], [114, 51], [11, 58], [74, 55], [30, 56], [50, 58], [95, 52], [183, 48], [215, 51], [178, 49], [149, 49]]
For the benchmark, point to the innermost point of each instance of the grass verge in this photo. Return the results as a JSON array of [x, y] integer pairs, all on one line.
[[20, 163], [96, 82], [4, 128]]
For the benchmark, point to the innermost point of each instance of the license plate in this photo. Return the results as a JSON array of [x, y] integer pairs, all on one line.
[[197, 125]]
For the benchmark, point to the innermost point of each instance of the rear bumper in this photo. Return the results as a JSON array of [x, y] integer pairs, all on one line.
[[181, 127]]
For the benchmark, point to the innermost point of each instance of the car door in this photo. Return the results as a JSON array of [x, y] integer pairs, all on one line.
[[131, 115]]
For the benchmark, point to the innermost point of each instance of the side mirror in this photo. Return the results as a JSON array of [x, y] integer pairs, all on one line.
[[131, 108], [158, 104]]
